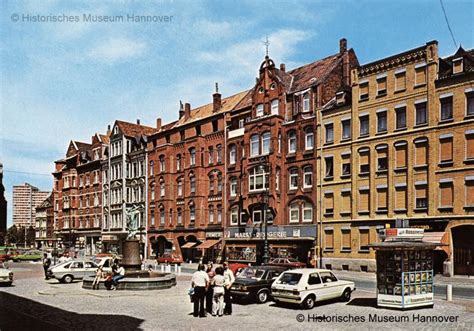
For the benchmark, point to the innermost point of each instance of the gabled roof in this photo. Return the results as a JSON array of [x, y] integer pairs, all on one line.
[[48, 202], [132, 130], [446, 64]]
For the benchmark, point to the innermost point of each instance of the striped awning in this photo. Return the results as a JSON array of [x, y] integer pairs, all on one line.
[[189, 244], [208, 243]]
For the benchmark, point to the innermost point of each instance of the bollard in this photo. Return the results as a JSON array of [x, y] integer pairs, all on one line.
[[449, 292], [162, 268], [175, 268], [168, 268], [179, 270]]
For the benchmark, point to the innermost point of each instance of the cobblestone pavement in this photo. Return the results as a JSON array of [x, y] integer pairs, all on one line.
[[33, 303]]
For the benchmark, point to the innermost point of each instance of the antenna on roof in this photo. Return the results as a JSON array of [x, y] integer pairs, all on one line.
[[266, 43], [217, 87], [180, 104]]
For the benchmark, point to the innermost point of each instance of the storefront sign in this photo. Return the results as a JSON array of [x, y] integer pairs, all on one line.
[[214, 235], [109, 237], [260, 235], [402, 234], [273, 232]]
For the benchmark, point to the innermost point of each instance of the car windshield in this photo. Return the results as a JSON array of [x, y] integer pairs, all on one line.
[[251, 273], [292, 260], [289, 278]]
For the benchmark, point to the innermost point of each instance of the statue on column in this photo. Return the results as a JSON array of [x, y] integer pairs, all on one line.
[[132, 221]]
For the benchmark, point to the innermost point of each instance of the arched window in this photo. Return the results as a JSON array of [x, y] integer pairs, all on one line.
[[162, 188], [234, 215], [219, 153], [309, 139], [292, 142], [219, 214], [293, 179], [151, 168], [274, 110], [192, 182], [254, 145], [294, 213], [307, 177], [233, 186], [152, 191], [307, 212], [180, 187], [192, 212], [162, 163], [211, 214], [232, 154], [180, 216], [178, 162], [211, 154], [192, 156], [162, 215], [306, 103], [219, 182], [211, 184], [382, 157], [266, 143]]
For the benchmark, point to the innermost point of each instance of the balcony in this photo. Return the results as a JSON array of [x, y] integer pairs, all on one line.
[[235, 133]]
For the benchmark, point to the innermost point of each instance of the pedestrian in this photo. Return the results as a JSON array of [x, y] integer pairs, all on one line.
[[218, 282], [119, 274], [99, 274], [229, 280], [199, 282], [46, 265], [209, 294]]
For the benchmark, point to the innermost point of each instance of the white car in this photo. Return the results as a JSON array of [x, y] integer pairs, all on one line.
[[6, 276], [67, 271], [306, 286]]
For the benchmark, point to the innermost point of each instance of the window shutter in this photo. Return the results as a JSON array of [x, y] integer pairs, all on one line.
[[364, 200], [401, 198], [446, 195], [382, 84], [420, 76], [364, 238], [400, 81], [346, 202], [470, 193], [401, 156], [446, 149], [421, 154], [420, 192], [364, 158], [382, 199], [470, 146], [364, 89], [346, 238], [329, 202], [329, 239]]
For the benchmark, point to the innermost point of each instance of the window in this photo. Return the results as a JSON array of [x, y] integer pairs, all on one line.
[[421, 194], [254, 145], [400, 80], [152, 218], [162, 188], [256, 216], [364, 200], [328, 203], [232, 154], [329, 161], [219, 214], [152, 192], [329, 133], [151, 168], [279, 142], [446, 108], [346, 167], [294, 213], [219, 183], [306, 103], [364, 239], [192, 156], [401, 120], [307, 177], [381, 121], [420, 113], [382, 198], [233, 187], [192, 213], [457, 65], [420, 74], [309, 139], [198, 130], [382, 162], [180, 187], [382, 85], [266, 143], [307, 212], [192, 181], [469, 194], [234, 215], [162, 215], [258, 179], [277, 179], [178, 162], [421, 152], [401, 155], [259, 110], [446, 193], [400, 197], [293, 179], [211, 214], [274, 107], [363, 91], [346, 129], [328, 239], [446, 148], [469, 145], [180, 216], [346, 202], [346, 239], [211, 155], [292, 142], [364, 161], [211, 184], [162, 163], [170, 217], [470, 103], [215, 125], [219, 153], [364, 125]]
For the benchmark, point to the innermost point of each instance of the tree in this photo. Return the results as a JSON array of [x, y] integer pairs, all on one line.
[[30, 236]]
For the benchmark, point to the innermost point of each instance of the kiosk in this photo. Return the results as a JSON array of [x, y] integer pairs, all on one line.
[[404, 269]]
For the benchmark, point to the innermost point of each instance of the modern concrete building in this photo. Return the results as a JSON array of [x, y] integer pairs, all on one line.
[[26, 198]]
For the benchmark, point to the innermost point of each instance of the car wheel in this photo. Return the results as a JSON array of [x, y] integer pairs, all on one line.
[[346, 295], [262, 296], [68, 279], [309, 302]]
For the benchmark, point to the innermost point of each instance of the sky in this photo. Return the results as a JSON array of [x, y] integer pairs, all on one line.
[[68, 80]]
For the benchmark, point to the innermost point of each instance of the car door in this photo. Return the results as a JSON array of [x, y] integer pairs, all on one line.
[[77, 269], [331, 286], [315, 286], [89, 269]]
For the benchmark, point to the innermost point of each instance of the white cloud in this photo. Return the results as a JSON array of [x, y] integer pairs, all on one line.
[[117, 49]]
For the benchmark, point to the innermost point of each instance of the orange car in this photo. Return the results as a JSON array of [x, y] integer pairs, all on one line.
[[170, 258]]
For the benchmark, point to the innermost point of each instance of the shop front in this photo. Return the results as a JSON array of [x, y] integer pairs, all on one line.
[[111, 244], [212, 247], [283, 241]]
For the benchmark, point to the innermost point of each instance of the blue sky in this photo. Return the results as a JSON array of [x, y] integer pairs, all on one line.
[[63, 81]]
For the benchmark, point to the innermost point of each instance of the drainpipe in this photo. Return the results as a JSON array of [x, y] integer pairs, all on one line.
[[320, 179], [224, 211]]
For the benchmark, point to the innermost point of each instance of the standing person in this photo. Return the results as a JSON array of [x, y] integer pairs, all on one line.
[[46, 265], [119, 274], [218, 282], [229, 280], [199, 282], [209, 293]]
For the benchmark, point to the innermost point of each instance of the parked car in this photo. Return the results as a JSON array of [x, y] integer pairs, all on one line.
[[254, 283], [32, 255], [6, 276], [287, 262], [307, 286], [4, 255], [106, 262], [170, 258], [67, 271]]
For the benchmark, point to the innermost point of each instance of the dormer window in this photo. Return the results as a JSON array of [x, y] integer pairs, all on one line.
[[340, 98], [306, 103], [116, 130], [259, 110], [457, 65]]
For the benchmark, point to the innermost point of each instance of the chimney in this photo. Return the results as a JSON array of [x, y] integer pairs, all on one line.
[[342, 45], [158, 123], [187, 110], [108, 130], [138, 121], [282, 67], [216, 100], [181, 110]]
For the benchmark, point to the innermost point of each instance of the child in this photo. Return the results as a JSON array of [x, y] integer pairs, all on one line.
[[99, 274]]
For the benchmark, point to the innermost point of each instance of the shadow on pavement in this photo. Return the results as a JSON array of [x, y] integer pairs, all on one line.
[[18, 313], [363, 302]]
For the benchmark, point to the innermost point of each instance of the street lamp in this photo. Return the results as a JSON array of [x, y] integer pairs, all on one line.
[[265, 201]]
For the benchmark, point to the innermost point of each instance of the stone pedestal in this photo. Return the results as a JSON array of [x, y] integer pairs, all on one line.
[[131, 255]]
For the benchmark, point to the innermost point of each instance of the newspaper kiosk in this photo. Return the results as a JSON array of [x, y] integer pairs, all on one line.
[[404, 269]]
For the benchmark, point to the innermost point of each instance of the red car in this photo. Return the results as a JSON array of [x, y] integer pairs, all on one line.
[[287, 262], [169, 258], [4, 256], [236, 267]]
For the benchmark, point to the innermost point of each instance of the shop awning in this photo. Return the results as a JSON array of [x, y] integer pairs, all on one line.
[[208, 243], [189, 244], [435, 238]]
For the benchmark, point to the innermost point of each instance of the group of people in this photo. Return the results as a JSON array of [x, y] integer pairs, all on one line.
[[212, 290], [111, 279]]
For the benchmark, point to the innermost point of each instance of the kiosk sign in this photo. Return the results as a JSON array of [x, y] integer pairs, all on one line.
[[402, 234]]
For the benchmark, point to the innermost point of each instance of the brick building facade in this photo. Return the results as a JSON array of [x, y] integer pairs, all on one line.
[[44, 226]]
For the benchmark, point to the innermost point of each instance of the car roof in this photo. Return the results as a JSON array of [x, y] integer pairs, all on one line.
[[307, 270], [268, 267]]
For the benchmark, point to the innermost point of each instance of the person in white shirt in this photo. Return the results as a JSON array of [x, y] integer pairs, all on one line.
[[229, 280], [218, 294], [118, 274], [200, 282]]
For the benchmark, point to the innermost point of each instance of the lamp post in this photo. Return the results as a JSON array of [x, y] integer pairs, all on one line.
[[265, 201]]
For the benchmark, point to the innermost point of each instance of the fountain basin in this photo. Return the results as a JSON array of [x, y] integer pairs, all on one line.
[[143, 281]]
